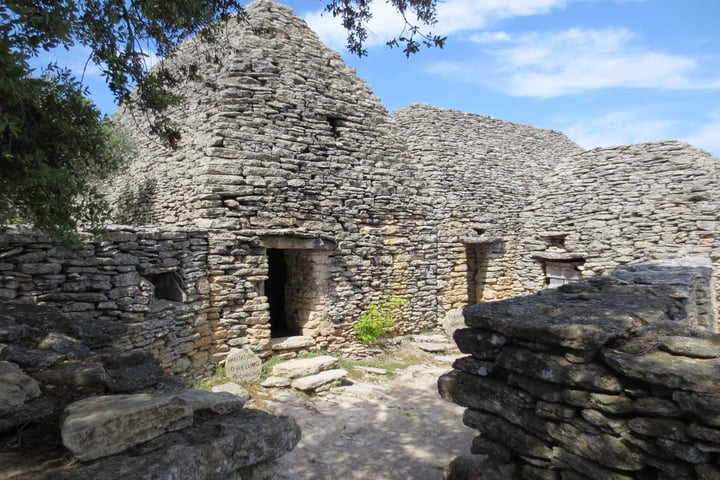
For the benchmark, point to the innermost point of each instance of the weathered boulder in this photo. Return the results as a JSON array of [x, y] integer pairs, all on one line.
[[97, 427], [16, 388], [304, 366]]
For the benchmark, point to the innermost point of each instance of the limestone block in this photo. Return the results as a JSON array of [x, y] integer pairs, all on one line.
[[662, 368], [242, 364], [291, 343], [304, 366], [233, 388], [216, 446], [220, 402], [16, 388], [96, 427], [64, 345], [504, 432], [276, 382], [313, 382]]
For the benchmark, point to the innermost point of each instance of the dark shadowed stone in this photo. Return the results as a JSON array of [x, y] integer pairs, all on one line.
[[214, 447], [10, 330], [75, 375], [684, 451], [706, 407], [532, 472], [29, 359], [704, 432], [478, 468], [549, 392], [660, 427], [504, 432], [40, 409], [481, 344], [555, 369], [554, 411], [707, 472], [662, 368], [130, 371], [488, 394], [473, 366], [615, 404], [496, 452], [603, 423], [605, 449], [587, 468], [65, 346], [692, 347], [656, 406], [16, 388]]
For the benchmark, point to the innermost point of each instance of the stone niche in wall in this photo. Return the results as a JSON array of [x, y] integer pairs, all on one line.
[[610, 378]]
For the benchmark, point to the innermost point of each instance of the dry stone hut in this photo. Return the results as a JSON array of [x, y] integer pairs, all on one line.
[[605, 208], [294, 201]]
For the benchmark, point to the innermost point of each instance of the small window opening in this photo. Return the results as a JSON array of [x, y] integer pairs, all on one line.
[[562, 272], [555, 241], [335, 123], [168, 286]]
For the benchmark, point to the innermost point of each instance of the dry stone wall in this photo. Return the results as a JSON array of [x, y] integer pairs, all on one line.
[[479, 171], [609, 207], [607, 379], [282, 142], [153, 284]]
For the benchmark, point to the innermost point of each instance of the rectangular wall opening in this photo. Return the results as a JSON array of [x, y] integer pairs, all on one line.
[[296, 289], [484, 271]]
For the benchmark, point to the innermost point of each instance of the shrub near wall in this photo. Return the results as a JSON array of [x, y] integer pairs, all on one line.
[[605, 379]]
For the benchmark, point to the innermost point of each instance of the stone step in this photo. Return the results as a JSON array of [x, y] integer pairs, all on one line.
[[291, 343], [314, 382], [303, 367]]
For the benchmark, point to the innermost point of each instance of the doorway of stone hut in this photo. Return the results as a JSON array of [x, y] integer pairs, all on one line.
[[296, 290], [484, 271]]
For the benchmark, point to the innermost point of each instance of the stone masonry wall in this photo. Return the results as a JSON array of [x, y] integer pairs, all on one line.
[[282, 139], [153, 283], [612, 378], [622, 205], [478, 171]]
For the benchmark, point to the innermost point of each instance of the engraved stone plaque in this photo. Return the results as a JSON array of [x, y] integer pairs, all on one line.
[[242, 364]]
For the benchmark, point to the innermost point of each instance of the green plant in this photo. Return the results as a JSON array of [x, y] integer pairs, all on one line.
[[217, 378], [377, 321]]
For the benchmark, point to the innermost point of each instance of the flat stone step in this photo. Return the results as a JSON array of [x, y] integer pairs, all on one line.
[[373, 370], [302, 367], [291, 343], [313, 382]]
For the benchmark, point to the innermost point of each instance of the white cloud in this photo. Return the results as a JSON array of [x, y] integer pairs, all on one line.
[[706, 137], [617, 128], [577, 60], [453, 16]]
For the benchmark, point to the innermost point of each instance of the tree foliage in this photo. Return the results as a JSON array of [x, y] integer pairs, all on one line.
[[355, 15], [54, 143]]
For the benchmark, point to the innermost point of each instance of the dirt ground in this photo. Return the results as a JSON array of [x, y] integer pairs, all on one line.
[[379, 427]]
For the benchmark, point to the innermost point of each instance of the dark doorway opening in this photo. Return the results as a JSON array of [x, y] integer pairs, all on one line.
[[275, 290]]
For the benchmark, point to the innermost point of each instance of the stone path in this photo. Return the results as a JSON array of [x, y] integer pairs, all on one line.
[[395, 428]]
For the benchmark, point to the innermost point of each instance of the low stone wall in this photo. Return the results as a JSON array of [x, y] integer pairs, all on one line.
[[153, 283], [612, 378]]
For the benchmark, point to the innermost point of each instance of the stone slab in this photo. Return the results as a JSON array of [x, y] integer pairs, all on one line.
[[97, 427], [243, 365], [303, 367], [318, 380], [16, 388], [291, 343]]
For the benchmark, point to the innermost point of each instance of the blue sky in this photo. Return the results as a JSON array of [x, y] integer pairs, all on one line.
[[604, 72]]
